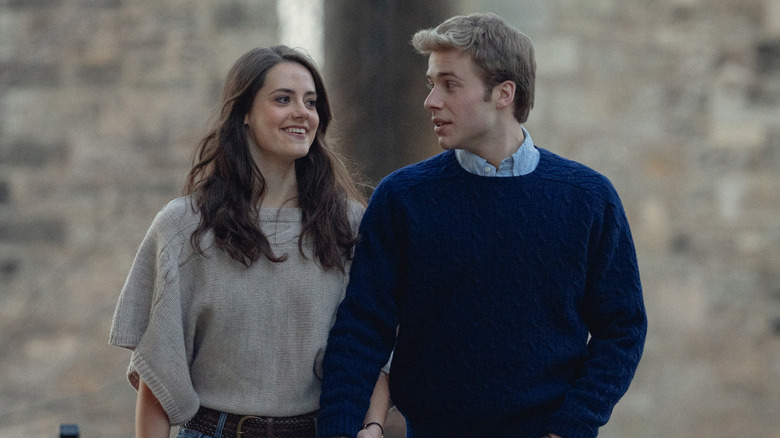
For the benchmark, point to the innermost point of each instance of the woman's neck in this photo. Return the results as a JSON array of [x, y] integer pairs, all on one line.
[[281, 188]]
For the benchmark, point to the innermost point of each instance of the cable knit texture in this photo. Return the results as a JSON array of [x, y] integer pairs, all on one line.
[[207, 331], [518, 298]]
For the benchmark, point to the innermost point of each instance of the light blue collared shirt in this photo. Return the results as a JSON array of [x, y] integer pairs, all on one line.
[[522, 162]]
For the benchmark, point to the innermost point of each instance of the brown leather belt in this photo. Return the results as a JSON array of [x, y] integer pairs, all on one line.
[[251, 426]]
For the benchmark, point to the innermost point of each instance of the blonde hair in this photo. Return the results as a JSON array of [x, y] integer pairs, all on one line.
[[501, 52]]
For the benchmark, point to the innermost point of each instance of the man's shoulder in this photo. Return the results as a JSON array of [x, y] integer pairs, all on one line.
[[436, 167], [555, 164], [555, 168]]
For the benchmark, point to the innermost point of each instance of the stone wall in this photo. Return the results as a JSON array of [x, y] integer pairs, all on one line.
[[676, 101], [101, 103]]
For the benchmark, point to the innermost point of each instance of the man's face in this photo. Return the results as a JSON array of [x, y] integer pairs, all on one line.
[[462, 118]]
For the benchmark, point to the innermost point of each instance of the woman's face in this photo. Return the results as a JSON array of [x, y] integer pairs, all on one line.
[[283, 119]]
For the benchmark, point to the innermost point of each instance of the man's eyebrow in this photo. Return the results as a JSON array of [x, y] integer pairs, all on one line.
[[443, 74]]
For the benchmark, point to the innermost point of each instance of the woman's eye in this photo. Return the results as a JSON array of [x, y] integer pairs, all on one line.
[[283, 99], [311, 103]]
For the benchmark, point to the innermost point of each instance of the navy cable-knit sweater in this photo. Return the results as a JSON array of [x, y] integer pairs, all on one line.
[[518, 299]]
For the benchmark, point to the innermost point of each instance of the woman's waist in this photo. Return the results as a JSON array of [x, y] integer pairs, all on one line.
[[208, 421]]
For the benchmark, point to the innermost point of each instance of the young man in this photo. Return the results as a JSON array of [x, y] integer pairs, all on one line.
[[508, 271]]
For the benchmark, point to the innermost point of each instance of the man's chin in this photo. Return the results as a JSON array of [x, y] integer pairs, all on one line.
[[446, 145]]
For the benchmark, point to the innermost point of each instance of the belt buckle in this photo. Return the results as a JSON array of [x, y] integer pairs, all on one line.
[[241, 423]]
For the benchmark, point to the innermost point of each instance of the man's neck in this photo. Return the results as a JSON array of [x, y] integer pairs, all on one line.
[[504, 145]]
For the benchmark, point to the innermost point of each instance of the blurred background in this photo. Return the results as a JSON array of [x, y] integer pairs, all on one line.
[[676, 101]]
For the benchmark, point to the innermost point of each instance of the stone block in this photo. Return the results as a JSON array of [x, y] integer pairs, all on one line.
[[5, 193], [9, 267], [106, 74], [36, 114], [230, 15], [102, 3], [772, 16], [34, 4], [738, 134], [35, 75], [28, 231], [558, 56], [653, 227], [768, 57], [10, 37], [31, 153], [527, 16]]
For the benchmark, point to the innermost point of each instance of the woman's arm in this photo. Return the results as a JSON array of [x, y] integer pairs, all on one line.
[[377, 410], [151, 421]]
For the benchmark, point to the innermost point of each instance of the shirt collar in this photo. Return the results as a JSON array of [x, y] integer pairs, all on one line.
[[522, 162]]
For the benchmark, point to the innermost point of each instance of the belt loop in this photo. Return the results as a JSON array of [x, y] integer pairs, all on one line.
[[269, 428], [220, 424]]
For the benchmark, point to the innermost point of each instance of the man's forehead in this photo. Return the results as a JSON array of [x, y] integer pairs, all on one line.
[[450, 63]]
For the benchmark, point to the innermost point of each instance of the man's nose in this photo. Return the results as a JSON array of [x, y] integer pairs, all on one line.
[[432, 102]]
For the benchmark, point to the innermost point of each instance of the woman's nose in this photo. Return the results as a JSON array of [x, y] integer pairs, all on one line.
[[300, 111]]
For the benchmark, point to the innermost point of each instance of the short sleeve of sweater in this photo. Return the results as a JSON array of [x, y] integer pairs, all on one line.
[[148, 317]]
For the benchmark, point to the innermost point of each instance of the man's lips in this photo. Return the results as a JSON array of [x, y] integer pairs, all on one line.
[[439, 124]]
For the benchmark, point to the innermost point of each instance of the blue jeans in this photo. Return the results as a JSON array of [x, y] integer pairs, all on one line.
[[187, 433]]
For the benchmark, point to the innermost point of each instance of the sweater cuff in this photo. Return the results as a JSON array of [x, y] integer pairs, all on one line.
[[569, 427], [337, 426], [177, 413]]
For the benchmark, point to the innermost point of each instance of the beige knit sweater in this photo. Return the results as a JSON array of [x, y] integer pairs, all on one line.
[[207, 331]]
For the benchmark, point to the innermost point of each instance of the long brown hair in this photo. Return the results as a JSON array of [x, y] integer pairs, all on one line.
[[226, 185]]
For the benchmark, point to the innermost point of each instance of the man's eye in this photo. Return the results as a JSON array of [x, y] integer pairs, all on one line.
[[429, 85]]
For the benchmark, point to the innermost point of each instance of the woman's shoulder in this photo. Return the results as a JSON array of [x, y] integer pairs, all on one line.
[[355, 207], [355, 212], [177, 216]]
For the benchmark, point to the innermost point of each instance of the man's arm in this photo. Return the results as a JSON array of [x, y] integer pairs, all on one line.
[[363, 335], [613, 310]]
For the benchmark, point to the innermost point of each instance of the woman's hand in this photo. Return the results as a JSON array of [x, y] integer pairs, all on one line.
[[371, 431]]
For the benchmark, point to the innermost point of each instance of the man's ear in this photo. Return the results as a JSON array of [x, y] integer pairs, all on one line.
[[505, 93]]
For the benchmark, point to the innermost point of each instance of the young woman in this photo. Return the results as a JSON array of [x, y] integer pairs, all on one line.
[[231, 296]]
